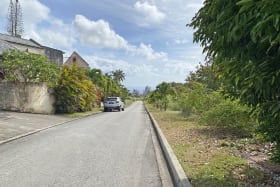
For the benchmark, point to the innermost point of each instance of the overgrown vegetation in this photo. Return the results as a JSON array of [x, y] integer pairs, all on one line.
[[212, 134], [215, 156], [243, 39], [203, 97], [108, 84]]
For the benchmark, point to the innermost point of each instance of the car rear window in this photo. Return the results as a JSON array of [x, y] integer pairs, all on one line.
[[112, 99]]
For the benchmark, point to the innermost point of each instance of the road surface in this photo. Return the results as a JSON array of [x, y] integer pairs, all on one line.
[[109, 149]]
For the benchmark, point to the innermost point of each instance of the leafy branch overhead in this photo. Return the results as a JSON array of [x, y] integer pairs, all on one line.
[[243, 39]]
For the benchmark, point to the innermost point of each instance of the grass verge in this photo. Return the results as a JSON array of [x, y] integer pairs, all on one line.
[[211, 156]]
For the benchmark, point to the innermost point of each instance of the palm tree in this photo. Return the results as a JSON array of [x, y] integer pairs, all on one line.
[[118, 75]]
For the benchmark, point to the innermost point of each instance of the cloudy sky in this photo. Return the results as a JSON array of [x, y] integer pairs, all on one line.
[[147, 39]]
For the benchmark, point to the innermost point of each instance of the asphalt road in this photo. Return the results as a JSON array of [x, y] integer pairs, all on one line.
[[109, 149]]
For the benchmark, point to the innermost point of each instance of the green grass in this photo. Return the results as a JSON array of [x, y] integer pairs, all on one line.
[[225, 170]]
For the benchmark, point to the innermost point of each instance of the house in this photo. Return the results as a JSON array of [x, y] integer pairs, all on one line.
[[76, 58], [23, 44], [53, 55], [30, 46], [4, 46]]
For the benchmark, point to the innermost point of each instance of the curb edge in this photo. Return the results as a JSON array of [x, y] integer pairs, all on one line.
[[176, 171]]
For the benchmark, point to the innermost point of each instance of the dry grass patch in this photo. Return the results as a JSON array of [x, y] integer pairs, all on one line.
[[211, 156]]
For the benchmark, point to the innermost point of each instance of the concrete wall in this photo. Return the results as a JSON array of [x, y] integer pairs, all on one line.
[[54, 55], [26, 97]]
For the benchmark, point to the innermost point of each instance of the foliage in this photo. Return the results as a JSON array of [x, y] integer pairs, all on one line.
[[118, 75], [159, 97], [243, 39], [200, 151], [205, 74], [197, 99], [108, 84], [20, 66], [229, 114], [74, 91]]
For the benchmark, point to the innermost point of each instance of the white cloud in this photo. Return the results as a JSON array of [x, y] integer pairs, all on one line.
[[98, 33], [137, 74], [40, 25], [179, 68], [120, 38], [108, 65], [149, 53], [34, 12], [150, 12]]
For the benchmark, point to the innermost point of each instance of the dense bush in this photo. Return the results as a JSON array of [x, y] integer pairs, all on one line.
[[229, 114], [209, 105], [74, 91], [198, 98]]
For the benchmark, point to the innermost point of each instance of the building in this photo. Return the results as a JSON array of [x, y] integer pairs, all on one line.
[[23, 44], [30, 46], [76, 58], [4, 46]]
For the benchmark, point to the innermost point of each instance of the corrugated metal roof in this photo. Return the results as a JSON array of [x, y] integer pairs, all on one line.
[[17, 40], [4, 46]]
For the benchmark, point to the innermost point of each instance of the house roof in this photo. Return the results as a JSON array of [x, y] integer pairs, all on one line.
[[76, 54], [17, 40], [4, 46]]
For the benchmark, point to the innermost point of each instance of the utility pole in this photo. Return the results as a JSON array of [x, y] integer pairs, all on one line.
[[15, 22]]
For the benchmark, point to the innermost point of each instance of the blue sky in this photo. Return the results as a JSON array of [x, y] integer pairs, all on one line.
[[147, 39]]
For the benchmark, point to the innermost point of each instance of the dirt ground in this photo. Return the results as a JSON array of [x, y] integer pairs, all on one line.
[[196, 145]]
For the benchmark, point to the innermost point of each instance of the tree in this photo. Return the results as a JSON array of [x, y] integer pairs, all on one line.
[[15, 22], [118, 75], [205, 74], [20, 66], [160, 95], [243, 39]]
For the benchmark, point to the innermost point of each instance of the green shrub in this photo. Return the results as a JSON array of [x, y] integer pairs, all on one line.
[[199, 98], [74, 91], [229, 114]]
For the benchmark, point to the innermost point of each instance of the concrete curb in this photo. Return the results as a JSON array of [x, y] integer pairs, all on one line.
[[176, 171], [42, 129]]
